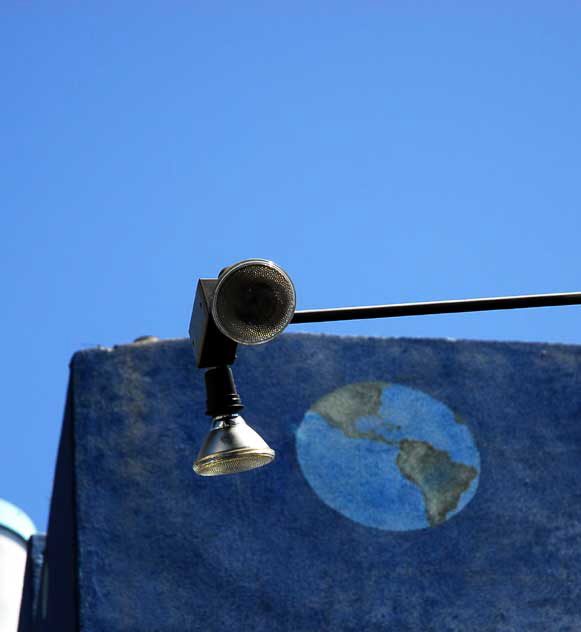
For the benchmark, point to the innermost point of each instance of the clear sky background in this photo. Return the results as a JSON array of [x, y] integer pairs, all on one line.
[[378, 151]]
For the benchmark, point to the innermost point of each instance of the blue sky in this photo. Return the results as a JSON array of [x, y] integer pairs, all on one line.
[[379, 152]]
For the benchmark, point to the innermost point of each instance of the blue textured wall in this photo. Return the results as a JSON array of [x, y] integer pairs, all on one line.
[[150, 546]]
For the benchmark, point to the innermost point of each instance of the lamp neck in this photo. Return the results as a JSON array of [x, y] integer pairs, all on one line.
[[221, 393]]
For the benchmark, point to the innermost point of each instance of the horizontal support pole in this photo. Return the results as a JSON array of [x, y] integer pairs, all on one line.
[[436, 307]]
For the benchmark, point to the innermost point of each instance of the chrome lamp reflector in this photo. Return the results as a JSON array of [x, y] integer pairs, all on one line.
[[232, 445]]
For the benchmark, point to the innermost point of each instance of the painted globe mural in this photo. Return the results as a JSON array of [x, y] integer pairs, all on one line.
[[388, 456]]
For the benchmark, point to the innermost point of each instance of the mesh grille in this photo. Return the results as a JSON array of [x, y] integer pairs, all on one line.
[[254, 303], [216, 465]]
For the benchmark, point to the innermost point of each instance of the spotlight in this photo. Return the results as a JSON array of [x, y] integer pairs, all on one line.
[[251, 302], [232, 445]]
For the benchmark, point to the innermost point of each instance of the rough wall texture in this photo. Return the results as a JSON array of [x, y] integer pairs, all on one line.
[[441, 492]]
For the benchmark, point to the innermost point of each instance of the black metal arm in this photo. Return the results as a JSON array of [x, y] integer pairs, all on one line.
[[436, 307]]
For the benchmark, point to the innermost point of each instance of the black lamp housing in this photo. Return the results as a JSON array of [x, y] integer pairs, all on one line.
[[211, 346]]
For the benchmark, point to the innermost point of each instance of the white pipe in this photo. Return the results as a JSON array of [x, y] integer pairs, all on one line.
[[15, 529]]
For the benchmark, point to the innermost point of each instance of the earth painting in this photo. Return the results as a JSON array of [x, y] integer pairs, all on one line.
[[388, 456]]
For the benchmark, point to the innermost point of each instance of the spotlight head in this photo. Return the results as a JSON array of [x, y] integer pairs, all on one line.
[[250, 303], [231, 445], [253, 302]]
